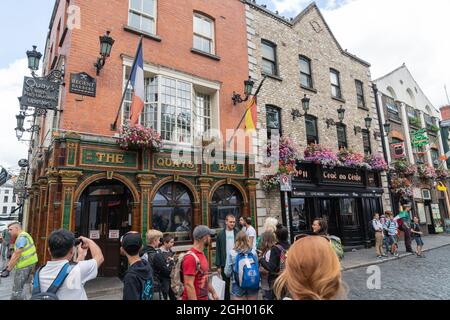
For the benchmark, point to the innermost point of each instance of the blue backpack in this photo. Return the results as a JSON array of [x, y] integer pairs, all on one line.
[[246, 271], [50, 294]]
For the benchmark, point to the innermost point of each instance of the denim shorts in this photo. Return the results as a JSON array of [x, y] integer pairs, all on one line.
[[419, 241], [239, 292]]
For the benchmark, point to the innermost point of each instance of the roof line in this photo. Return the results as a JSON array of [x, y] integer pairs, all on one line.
[[299, 18]]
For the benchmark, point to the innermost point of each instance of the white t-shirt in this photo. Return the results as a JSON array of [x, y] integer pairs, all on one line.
[[251, 232], [229, 237], [73, 286]]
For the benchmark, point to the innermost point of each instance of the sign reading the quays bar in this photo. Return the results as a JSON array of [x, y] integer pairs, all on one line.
[[234, 169], [102, 157], [83, 84], [40, 93], [164, 162], [342, 176]]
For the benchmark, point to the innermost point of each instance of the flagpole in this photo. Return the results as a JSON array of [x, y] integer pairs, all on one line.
[[246, 110], [114, 125]]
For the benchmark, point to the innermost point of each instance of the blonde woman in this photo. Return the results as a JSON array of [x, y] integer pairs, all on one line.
[[313, 272], [243, 246]]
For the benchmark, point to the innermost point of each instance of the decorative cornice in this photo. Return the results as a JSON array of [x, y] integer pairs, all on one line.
[[205, 182], [52, 175], [145, 180], [69, 176]]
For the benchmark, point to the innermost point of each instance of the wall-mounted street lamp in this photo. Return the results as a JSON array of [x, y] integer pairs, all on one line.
[[386, 131], [248, 88], [33, 60], [341, 115], [305, 105], [20, 126], [368, 123], [106, 43]]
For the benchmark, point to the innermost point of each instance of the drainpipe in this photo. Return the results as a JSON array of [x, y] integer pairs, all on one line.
[[383, 142]]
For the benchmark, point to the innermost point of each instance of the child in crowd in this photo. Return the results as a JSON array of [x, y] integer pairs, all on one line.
[[417, 235]]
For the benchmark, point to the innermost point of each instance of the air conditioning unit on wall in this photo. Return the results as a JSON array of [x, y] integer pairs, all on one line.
[[426, 194]]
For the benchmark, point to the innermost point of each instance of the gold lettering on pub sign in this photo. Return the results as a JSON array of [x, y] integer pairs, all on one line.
[[352, 177], [227, 167], [110, 158], [169, 163]]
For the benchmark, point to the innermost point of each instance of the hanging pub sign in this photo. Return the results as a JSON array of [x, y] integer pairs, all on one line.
[[398, 150], [419, 138], [83, 84], [40, 93], [3, 176]]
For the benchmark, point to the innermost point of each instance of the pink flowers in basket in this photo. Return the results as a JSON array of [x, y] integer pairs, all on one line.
[[138, 137], [320, 155], [427, 172], [376, 162]]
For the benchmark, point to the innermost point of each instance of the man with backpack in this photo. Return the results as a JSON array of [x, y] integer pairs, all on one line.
[[405, 218], [224, 244], [138, 280], [278, 255], [60, 278], [377, 228], [195, 267], [149, 253]]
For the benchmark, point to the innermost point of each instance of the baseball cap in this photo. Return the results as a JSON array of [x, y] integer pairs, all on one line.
[[201, 231], [131, 241]]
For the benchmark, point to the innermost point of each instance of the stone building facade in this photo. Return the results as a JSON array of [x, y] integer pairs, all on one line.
[[308, 36]]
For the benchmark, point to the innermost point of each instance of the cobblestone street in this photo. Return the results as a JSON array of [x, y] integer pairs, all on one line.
[[410, 278]]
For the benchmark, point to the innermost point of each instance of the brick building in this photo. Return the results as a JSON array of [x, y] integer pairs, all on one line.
[[413, 119], [195, 57], [302, 57]]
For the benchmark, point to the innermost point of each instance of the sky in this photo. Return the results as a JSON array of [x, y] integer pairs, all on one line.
[[386, 33]]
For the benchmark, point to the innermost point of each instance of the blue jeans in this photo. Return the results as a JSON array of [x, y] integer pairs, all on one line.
[[419, 241], [239, 292]]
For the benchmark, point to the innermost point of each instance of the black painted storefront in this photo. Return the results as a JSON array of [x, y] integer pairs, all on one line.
[[347, 197]]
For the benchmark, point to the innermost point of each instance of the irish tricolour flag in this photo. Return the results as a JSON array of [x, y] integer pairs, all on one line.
[[137, 82]]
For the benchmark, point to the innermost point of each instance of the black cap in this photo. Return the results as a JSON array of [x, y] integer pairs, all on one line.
[[131, 241]]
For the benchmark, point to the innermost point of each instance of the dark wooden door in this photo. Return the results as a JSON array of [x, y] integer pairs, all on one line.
[[329, 209]]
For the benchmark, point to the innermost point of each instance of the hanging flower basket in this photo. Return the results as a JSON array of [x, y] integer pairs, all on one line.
[[351, 159], [402, 187], [320, 155], [426, 172], [442, 174], [403, 167], [137, 137], [376, 162], [270, 182]]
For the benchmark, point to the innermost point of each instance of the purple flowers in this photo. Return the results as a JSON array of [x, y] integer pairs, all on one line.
[[427, 172], [320, 155], [139, 137], [376, 162]]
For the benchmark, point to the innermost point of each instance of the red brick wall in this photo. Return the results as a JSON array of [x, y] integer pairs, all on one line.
[[174, 26], [445, 112]]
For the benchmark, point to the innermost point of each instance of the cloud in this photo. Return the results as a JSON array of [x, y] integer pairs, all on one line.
[[389, 33], [11, 81]]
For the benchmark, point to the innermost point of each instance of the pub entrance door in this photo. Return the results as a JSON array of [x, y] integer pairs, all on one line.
[[104, 215]]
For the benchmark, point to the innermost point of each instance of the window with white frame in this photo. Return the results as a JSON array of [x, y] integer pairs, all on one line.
[[203, 33], [142, 15], [170, 107]]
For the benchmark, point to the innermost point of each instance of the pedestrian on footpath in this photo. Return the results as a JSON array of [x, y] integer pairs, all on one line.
[[385, 234], [240, 257], [277, 257], [268, 240], [5, 242], [149, 252], [224, 244], [23, 260], [195, 267], [405, 215], [251, 232], [392, 226], [416, 234], [61, 246], [138, 280], [320, 228], [313, 272], [378, 229], [270, 224], [165, 261]]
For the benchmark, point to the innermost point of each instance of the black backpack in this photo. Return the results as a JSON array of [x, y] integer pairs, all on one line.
[[54, 287], [371, 229]]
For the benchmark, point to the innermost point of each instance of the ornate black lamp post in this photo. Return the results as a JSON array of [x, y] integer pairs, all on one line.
[[341, 115], [248, 88], [305, 105], [106, 44]]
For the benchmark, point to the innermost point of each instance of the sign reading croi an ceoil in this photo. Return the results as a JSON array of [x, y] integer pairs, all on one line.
[[99, 157], [419, 138]]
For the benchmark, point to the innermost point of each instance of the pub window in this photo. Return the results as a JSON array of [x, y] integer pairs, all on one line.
[[269, 58], [428, 120], [305, 72], [203, 113], [273, 118], [335, 84], [366, 142], [435, 157], [312, 133], [5, 210], [14, 198], [412, 113], [172, 211], [226, 200], [12, 209], [5, 199], [349, 212], [6, 191], [142, 15], [398, 151], [360, 94], [393, 111], [203, 33], [342, 136]]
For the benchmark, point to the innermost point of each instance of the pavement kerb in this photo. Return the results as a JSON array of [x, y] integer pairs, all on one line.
[[366, 264]]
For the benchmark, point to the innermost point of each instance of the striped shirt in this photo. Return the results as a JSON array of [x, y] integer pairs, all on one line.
[[392, 226]]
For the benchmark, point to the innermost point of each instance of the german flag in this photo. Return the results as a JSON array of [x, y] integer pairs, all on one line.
[[250, 115]]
